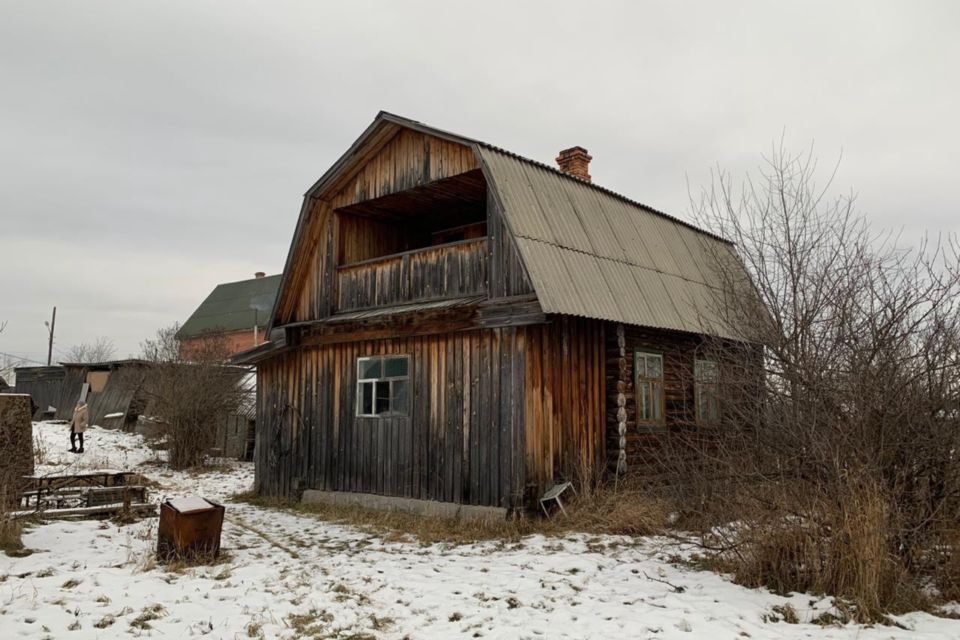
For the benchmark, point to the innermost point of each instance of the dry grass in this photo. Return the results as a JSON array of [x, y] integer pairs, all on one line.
[[10, 529], [10, 532], [625, 510], [313, 624], [39, 450], [104, 622], [147, 615], [842, 549]]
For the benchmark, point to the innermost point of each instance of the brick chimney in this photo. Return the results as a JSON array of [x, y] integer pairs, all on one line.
[[576, 162], [259, 274]]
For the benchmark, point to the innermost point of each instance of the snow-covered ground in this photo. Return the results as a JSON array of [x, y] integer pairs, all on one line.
[[288, 575]]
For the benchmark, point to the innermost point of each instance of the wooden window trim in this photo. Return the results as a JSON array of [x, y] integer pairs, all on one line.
[[698, 389], [662, 419], [381, 379]]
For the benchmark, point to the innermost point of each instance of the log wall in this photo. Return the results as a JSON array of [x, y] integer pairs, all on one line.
[[679, 350]]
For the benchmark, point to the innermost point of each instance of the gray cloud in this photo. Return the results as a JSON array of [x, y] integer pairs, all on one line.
[[151, 150]]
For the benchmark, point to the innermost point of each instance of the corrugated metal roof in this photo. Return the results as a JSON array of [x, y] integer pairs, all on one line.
[[589, 251], [592, 253], [230, 307]]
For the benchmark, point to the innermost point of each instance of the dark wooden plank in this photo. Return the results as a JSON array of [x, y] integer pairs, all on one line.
[[518, 423], [506, 417], [461, 408], [488, 384], [450, 417]]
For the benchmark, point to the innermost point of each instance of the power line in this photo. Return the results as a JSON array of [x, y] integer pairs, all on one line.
[[13, 355]]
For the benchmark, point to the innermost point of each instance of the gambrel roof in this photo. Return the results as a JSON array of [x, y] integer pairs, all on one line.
[[588, 251]]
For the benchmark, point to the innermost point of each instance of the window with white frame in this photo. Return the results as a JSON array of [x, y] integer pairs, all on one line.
[[648, 384], [706, 380], [383, 386]]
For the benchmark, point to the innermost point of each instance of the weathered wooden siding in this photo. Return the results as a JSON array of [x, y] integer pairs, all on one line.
[[462, 442], [497, 415], [407, 160], [446, 271], [313, 284], [508, 276], [565, 412], [361, 238], [43, 384]]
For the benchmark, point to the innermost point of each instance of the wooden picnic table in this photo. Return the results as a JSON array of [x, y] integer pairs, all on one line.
[[92, 490]]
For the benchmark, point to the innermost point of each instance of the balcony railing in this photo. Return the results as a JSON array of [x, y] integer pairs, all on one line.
[[451, 270]]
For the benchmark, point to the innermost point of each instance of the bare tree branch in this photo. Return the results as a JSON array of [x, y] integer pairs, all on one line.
[[100, 350]]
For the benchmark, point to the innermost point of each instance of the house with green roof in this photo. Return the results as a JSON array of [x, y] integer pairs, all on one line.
[[237, 312]]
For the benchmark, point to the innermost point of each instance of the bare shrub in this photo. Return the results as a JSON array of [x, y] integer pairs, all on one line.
[[8, 368], [190, 395], [836, 460], [624, 508], [100, 350]]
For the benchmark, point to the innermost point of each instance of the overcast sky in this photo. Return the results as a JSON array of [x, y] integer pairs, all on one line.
[[149, 151]]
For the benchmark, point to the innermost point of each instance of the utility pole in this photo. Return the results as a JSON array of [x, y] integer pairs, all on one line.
[[50, 328]]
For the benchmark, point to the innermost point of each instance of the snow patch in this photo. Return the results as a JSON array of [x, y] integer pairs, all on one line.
[[286, 575]]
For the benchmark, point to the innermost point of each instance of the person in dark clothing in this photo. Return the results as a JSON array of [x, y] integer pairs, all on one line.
[[77, 426]]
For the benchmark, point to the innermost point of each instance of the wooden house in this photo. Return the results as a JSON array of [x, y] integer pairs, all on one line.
[[460, 324]]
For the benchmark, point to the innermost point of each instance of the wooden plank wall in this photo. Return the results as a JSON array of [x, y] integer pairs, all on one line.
[[508, 276], [565, 410], [408, 159], [43, 384], [70, 391], [362, 238], [446, 271], [463, 441], [313, 283]]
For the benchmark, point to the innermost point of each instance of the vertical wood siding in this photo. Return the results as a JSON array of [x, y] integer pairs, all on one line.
[[361, 238], [496, 416], [565, 410], [446, 271], [508, 276], [312, 283], [407, 160], [462, 442]]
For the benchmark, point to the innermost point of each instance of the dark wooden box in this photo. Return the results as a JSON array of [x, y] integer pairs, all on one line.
[[192, 534]]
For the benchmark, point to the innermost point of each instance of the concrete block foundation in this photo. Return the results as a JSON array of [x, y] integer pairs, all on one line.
[[429, 508]]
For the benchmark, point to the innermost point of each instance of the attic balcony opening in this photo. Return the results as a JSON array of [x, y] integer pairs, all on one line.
[[424, 243], [450, 210]]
